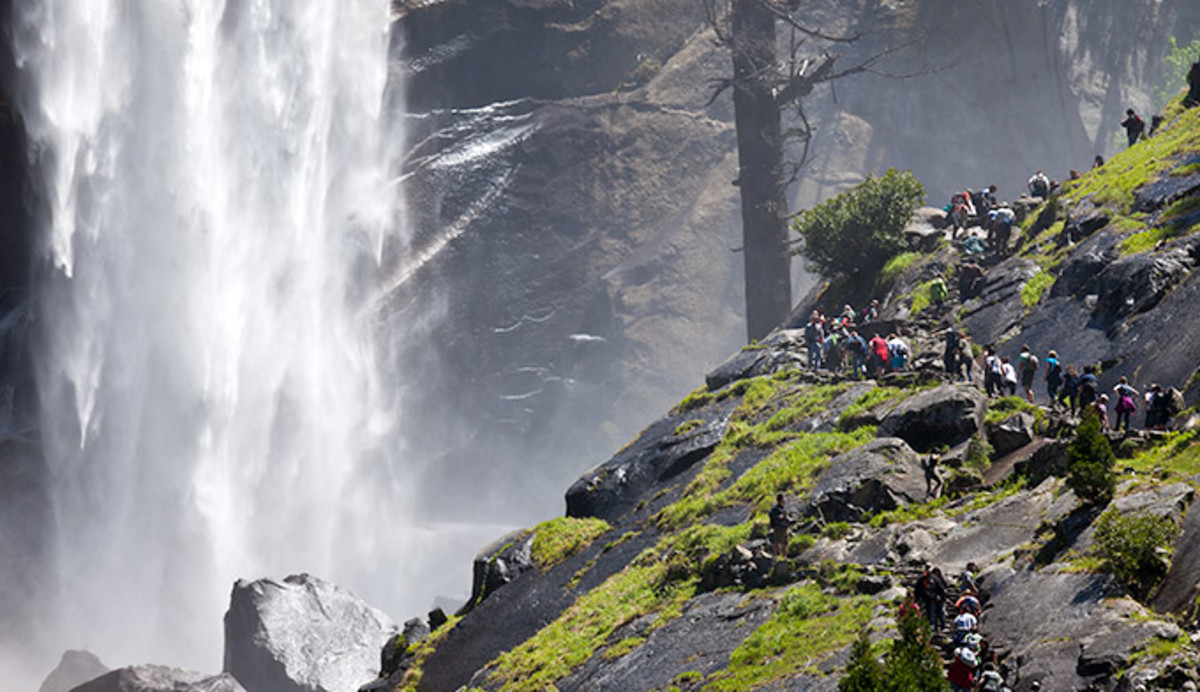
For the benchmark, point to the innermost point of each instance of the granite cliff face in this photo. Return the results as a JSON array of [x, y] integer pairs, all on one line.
[[579, 226]]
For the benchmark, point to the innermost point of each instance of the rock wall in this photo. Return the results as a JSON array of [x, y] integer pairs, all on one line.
[[578, 230]]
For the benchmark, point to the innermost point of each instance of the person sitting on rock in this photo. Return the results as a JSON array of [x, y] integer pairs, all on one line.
[[1126, 402], [1039, 185], [1134, 126], [778, 518], [1098, 161]]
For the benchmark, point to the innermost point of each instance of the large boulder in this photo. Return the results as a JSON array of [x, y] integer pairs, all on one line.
[[302, 634], [666, 449], [947, 415], [780, 350], [75, 668], [160, 679], [1012, 433], [881, 475], [499, 563], [1137, 283]]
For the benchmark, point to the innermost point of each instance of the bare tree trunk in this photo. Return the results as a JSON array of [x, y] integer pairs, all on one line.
[[760, 158]]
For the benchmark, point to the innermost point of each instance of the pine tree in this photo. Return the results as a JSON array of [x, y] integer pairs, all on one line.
[[863, 672], [1090, 462]]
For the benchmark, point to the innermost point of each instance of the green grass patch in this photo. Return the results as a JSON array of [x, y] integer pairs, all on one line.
[[1034, 289], [688, 426], [623, 647], [560, 538], [659, 580], [1177, 456], [1115, 183], [896, 266], [920, 298], [808, 402], [695, 400], [790, 468], [907, 513], [1003, 408], [1142, 241], [807, 627], [1160, 649], [421, 652], [876, 397], [1185, 170]]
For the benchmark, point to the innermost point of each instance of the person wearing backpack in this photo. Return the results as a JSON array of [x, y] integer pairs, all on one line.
[[1053, 376], [1010, 377], [1069, 394], [1088, 388], [1029, 366], [814, 336], [1039, 185], [938, 293], [898, 351], [1126, 403], [993, 373], [951, 351], [1134, 126], [990, 680], [1001, 227]]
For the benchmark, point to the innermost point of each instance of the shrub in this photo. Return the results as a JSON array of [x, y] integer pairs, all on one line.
[[1090, 462], [855, 233], [1130, 547], [912, 665]]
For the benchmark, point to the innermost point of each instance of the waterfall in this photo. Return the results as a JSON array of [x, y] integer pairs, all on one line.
[[214, 207]]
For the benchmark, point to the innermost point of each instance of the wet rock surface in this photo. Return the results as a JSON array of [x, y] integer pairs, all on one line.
[[75, 668], [302, 634], [160, 679], [947, 415], [882, 475]]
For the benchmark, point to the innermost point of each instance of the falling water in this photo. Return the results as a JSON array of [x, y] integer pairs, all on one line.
[[213, 199]]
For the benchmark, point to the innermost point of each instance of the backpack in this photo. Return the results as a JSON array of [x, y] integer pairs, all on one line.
[[1174, 403], [1087, 388], [1029, 362], [992, 682]]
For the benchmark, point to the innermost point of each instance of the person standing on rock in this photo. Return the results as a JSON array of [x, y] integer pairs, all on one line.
[[880, 360], [938, 293], [1088, 387], [814, 337], [1000, 230], [1053, 376], [993, 372], [1069, 395], [932, 478], [897, 351], [961, 672], [950, 353], [1029, 367], [965, 361], [1102, 411], [1134, 126], [778, 518], [1010, 376], [1126, 402]]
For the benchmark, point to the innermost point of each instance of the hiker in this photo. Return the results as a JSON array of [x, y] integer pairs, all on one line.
[[964, 624], [778, 517], [932, 478], [814, 336], [1069, 394], [961, 210], [966, 579], [1009, 374], [908, 607], [1102, 411], [1028, 367], [848, 317], [1053, 376], [1039, 185], [1098, 161], [926, 598], [938, 292], [897, 351], [1134, 126], [1088, 388], [858, 354], [993, 373], [990, 680], [871, 312], [1126, 402], [1158, 408], [938, 591], [961, 672], [1000, 227], [880, 357], [970, 281], [952, 349], [969, 602], [965, 362], [987, 654]]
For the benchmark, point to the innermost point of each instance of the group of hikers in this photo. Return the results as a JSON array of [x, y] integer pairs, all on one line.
[[974, 664], [836, 344], [1067, 388], [980, 207]]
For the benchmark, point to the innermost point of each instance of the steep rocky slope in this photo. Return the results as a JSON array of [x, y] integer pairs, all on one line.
[[658, 576], [576, 228]]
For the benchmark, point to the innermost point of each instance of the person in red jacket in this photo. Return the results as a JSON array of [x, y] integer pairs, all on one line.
[[962, 670], [879, 354]]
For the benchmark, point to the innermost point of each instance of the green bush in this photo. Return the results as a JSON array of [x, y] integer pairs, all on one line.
[[857, 232], [1131, 545], [912, 665], [1090, 462]]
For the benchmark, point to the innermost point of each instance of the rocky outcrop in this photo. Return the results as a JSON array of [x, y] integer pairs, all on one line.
[[160, 679], [948, 415], [75, 668], [302, 634], [500, 563], [780, 350], [882, 475]]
